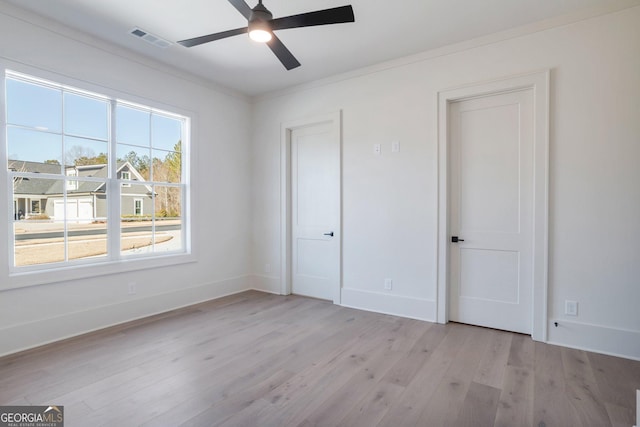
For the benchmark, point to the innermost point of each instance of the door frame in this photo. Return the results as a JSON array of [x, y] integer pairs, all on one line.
[[335, 120], [538, 82]]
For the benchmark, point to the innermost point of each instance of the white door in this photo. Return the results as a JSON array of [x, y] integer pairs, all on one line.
[[491, 211], [315, 216]]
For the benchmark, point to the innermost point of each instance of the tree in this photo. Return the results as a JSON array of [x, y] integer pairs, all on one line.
[[100, 159], [168, 199], [173, 161], [52, 162]]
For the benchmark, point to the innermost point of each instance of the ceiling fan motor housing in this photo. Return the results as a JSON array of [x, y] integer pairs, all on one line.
[[260, 17]]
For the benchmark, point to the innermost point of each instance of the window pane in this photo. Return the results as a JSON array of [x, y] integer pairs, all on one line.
[[167, 166], [166, 132], [34, 106], [137, 157], [136, 207], [132, 126], [81, 151], [38, 237], [38, 242], [136, 201], [168, 202], [86, 217], [168, 219], [85, 116], [31, 197], [34, 146], [88, 240]]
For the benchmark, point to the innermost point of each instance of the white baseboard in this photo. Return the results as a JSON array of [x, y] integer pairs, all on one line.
[[638, 408], [24, 336], [596, 338], [264, 283], [413, 308]]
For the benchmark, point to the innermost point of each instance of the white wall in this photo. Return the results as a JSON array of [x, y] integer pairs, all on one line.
[[390, 201], [37, 314]]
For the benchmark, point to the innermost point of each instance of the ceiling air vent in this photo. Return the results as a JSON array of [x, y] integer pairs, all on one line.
[[150, 38]]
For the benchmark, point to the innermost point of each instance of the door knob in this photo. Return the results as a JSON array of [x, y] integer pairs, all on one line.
[[329, 234], [455, 239]]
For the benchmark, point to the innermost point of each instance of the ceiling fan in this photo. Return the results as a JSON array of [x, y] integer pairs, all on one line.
[[261, 26]]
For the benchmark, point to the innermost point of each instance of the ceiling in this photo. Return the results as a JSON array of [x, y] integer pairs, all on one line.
[[383, 30]]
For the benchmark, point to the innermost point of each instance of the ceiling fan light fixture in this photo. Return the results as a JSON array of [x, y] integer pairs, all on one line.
[[259, 28], [260, 36]]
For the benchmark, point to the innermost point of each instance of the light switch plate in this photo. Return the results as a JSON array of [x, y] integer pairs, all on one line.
[[571, 308]]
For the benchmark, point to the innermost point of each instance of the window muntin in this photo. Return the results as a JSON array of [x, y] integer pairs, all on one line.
[[60, 149]]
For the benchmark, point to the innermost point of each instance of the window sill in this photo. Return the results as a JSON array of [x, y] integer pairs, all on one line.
[[69, 273]]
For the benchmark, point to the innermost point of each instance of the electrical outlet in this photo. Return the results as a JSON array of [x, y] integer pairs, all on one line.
[[395, 146], [267, 268], [571, 308], [388, 284], [377, 149], [132, 288]]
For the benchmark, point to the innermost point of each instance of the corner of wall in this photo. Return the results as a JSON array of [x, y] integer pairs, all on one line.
[[595, 338]]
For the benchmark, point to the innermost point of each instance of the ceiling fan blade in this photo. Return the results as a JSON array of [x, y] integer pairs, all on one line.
[[336, 15], [211, 37], [242, 7], [284, 55]]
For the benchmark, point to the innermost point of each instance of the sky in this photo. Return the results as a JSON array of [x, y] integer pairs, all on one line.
[[44, 123]]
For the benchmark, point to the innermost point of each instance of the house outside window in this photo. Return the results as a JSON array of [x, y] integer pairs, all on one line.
[[78, 158]]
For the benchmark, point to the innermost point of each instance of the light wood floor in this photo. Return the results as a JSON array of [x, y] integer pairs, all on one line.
[[255, 359]]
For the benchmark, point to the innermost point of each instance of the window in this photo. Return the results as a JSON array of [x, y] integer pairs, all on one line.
[[125, 176], [95, 179], [35, 207], [72, 184]]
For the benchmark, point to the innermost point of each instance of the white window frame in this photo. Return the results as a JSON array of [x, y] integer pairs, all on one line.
[[71, 183], [16, 277], [125, 176], [135, 207]]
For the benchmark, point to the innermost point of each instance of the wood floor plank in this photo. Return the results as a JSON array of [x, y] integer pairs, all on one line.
[[521, 352], [370, 410], [406, 368], [256, 359], [620, 416], [617, 379], [515, 407], [447, 401], [582, 389], [201, 410], [491, 369], [292, 405], [422, 387], [343, 400], [550, 402], [479, 407]]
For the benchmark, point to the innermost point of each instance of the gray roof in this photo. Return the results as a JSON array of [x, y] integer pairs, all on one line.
[[52, 187]]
